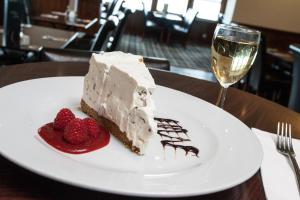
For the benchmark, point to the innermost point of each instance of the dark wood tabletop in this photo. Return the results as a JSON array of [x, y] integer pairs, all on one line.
[[49, 37], [281, 56], [167, 16], [18, 183], [39, 36], [60, 20]]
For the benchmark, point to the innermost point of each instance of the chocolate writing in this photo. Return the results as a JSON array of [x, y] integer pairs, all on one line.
[[166, 129]]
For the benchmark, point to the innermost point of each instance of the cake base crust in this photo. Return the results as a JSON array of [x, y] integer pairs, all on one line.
[[110, 126]]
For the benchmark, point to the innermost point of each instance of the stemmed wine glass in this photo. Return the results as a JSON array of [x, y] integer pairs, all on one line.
[[233, 51]]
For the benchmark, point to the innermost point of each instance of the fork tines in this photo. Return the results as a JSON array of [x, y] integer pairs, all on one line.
[[284, 136]]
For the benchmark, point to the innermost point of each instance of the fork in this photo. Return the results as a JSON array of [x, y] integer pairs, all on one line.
[[284, 146]]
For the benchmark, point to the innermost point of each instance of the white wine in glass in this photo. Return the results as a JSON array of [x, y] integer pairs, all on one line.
[[233, 51]]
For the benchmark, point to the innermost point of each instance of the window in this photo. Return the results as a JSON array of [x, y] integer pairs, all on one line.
[[148, 4], [137, 4], [106, 1], [174, 6], [207, 9], [133, 4]]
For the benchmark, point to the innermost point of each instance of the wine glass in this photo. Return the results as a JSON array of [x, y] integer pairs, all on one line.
[[233, 51]]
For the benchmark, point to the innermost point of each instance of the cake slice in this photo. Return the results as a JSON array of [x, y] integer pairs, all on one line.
[[118, 94]]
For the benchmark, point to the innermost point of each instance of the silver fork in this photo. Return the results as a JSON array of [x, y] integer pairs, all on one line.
[[285, 146]]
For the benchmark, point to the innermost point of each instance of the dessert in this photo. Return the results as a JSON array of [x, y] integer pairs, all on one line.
[[118, 94]]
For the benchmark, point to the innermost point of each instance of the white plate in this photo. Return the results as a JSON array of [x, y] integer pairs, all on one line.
[[229, 152]]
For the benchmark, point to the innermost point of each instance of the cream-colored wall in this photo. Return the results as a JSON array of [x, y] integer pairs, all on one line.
[[275, 14]]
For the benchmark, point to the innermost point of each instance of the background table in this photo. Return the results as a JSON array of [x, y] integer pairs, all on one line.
[[59, 20], [18, 183], [167, 16], [40, 36]]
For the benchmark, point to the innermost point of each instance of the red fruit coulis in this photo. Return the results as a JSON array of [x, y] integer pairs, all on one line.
[[55, 139]]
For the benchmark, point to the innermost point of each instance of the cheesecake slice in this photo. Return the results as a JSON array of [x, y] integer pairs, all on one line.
[[118, 94]]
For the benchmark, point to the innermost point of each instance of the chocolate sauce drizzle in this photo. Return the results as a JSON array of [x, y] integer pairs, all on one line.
[[165, 129]]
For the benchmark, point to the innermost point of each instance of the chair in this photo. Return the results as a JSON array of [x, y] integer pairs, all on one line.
[[184, 28], [294, 101], [115, 36], [26, 6], [150, 25], [96, 43], [112, 9], [10, 56], [107, 11], [118, 6], [266, 81], [71, 55], [64, 55], [103, 33], [254, 77], [157, 63]]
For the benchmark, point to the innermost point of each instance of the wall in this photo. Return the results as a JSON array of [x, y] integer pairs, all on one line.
[[280, 15], [276, 19], [41, 6]]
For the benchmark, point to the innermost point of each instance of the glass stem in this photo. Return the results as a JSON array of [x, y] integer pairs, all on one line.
[[221, 98]]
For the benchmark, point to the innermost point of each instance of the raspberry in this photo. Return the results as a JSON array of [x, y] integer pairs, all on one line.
[[76, 132], [92, 126], [63, 117]]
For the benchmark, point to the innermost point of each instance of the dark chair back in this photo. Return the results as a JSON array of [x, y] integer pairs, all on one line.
[[294, 101], [12, 56], [148, 16], [157, 63], [12, 16], [26, 7], [189, 18], [257, 71], [145, 14], [118, 7], [71, 55], [144, 10], [122, 16], [64, 55], [103, 33], [111, 7], [265, 80]]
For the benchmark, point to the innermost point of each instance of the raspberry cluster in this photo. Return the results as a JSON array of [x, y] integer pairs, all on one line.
[[75, 130]]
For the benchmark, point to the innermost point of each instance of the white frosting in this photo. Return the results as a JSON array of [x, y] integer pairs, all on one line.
[[119, 87]]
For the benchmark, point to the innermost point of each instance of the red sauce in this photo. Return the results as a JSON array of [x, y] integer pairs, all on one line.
[[56, 140]]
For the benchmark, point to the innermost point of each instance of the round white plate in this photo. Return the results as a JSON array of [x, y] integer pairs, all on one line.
[[229, 152]]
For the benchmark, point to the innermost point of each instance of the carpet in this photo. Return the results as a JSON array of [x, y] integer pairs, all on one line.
[[193, 56]]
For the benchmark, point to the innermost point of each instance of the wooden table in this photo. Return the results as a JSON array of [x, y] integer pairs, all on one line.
[[280, 55], [167, 16], [166, 20], [18, 183], [40, 36], [61, 21]]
